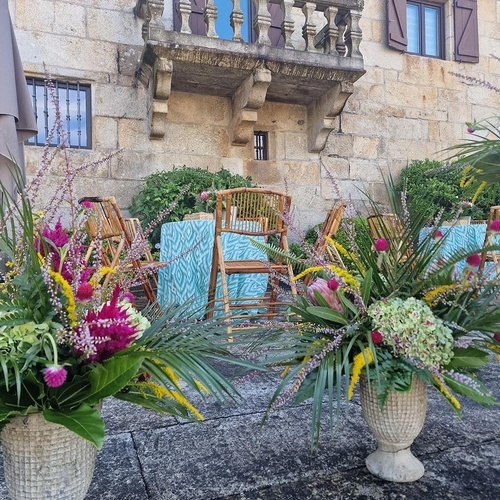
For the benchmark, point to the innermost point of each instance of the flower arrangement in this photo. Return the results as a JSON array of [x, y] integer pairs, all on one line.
[[70, 335], [400, 311]]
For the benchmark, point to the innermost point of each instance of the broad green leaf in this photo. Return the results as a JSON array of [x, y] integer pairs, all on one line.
[[85, 421], [328, 314], [112, 376], [467, 390], [468, 358]]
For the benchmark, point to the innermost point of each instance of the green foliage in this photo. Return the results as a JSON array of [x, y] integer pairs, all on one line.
[[178, 192], [427, 183]]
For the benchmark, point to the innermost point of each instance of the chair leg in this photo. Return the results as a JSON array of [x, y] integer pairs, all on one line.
[[212, 285]]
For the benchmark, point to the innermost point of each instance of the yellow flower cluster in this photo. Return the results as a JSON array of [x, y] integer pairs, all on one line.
[[446, 393], [359, 362], [68, 293], [342, 273], [432, 297], [343, 251], [98, 275]]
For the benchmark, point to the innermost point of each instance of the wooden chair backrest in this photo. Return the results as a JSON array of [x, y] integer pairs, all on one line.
[[135, 233], [252, 211], [384, 226], [489, 240], [330, 226]]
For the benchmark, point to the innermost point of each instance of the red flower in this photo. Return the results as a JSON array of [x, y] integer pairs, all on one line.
[[333, 285], [495, 226], [377, 337], [54, 375], [381, 245], [86, 204], [204, 196], [497, 337], [470, 130], [437, 234], [321, 286], [473, 260], [84, 291]]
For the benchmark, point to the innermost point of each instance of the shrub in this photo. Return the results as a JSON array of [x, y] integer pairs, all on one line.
[[185, 184], [440, 189]]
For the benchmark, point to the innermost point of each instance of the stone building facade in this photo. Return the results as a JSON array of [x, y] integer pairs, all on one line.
[[167, 97]]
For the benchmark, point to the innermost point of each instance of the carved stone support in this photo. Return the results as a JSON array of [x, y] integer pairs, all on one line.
[[156, 8], [332, 31], [322, 115], [184, 13], [309, 28], [288, 25], [354, 34], [160, 89], [262, 22], [210, 16], [246, 102], [236, 20]]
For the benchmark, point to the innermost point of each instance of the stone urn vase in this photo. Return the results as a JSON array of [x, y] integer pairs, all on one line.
[[395, 426], [45, 461]]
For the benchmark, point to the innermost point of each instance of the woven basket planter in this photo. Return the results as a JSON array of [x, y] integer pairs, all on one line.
[[45, 461], [395, 426]]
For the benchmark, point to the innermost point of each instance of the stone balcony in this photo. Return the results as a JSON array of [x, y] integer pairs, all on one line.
[[315, 66]]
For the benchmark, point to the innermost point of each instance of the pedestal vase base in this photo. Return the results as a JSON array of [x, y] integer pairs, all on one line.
[[397, 466]]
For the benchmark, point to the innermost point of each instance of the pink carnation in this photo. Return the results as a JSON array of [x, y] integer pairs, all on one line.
[[381, 245], [54, 375], [204, 196]]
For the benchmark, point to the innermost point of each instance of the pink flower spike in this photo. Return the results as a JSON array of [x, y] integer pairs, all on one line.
[[437, 234], [495, 226], [54, 375], [333, 285], [473, 260], [204, 196], [381, 245], [377, 337]]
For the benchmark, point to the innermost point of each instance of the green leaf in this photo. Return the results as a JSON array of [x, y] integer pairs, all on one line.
[[84, 421], [112, 376], [468, 358], [467, 389], [328, 314]]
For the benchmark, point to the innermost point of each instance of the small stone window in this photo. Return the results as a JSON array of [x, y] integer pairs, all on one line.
[[74, 106], [260, 145]]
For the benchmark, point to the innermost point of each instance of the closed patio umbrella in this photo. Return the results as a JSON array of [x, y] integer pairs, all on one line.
[[17, 119]]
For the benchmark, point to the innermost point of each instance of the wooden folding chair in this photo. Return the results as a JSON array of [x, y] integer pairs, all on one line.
[[491, 255], [330, 227], [116, 236], [257, 213]]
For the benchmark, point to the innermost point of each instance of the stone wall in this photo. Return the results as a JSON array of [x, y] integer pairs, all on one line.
[[405, 107]]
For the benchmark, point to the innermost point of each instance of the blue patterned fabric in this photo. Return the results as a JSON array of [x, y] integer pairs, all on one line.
[[187, 247], [467, 237]]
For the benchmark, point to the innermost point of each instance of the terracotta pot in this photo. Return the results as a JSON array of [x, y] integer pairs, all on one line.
[[395, 426], [44, 461]]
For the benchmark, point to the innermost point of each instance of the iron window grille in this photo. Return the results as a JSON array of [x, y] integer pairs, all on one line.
[[74, 105], [260, 145]]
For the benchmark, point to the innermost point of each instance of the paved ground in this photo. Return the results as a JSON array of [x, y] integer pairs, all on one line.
[[147, 457]]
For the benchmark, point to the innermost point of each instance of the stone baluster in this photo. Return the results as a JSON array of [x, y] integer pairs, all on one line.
[[340, 45], [354, 34], [156, 10], [332, 33], [210, 15], [184, 13], [288, 23], [236, 20], [309, 28], [262, 22]]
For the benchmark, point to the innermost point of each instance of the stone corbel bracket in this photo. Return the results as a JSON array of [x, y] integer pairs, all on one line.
[[247, 101], [322, 115], [161, 86]]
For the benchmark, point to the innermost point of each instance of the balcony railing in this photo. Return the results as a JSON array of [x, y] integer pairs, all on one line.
[[311, 59]]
